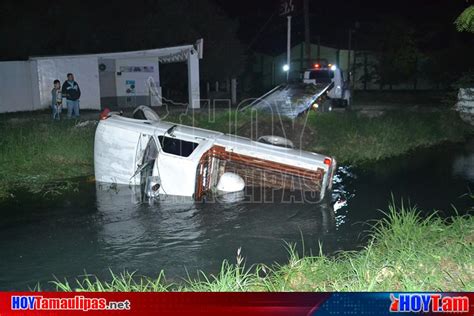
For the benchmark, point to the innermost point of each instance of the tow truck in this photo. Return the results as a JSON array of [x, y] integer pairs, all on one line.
[[321, 88], [324, 73]]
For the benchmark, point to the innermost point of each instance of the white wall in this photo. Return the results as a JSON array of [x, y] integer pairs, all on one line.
[[140, 78], [35, 85], [27, 85], [108, 86], [16, 93], [86, 73]]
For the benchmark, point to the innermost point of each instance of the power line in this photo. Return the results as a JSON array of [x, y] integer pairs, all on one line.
[[261, 30]]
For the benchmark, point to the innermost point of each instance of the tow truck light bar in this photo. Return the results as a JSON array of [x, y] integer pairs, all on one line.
[[330, 66]]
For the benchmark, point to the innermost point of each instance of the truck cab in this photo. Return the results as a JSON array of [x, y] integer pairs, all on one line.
[[323, 73]]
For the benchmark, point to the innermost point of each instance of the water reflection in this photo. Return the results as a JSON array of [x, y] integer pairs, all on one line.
[[463, 165], [177, 233], [343, 189]]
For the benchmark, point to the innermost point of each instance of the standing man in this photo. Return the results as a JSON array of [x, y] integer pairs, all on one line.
[[72, 93]]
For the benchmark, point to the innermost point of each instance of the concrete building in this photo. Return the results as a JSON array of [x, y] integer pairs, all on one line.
[[111, 79]]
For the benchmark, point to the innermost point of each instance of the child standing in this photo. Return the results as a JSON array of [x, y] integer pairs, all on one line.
[[57, 100]]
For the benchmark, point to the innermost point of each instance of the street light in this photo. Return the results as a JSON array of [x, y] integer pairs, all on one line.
[[286, 67]]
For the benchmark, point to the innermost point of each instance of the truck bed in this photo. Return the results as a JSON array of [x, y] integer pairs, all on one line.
[[290, 100]]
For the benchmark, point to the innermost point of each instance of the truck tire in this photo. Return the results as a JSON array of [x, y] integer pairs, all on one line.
[[347, 103], [326, 106]]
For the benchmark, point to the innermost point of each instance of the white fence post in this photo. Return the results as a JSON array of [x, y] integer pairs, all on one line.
[[193, 80]]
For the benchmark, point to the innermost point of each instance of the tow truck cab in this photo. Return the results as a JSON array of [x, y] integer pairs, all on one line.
[[322, 72]]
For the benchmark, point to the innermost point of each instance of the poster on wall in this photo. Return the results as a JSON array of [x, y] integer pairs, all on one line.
[[130, 86], [137, 69]]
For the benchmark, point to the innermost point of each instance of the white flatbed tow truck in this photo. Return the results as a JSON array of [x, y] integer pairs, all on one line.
[[320, 84]]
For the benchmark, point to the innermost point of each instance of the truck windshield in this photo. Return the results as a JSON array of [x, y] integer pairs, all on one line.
[[323, 76]]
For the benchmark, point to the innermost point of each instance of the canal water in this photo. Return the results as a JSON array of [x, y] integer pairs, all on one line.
[[101, 227]]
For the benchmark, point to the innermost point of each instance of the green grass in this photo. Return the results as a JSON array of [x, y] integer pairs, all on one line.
[[354, 139], [401, 98], [405, 253], [39, 155], [350, 137]]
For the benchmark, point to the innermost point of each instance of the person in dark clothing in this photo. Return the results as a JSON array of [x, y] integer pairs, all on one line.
[[72, 93]]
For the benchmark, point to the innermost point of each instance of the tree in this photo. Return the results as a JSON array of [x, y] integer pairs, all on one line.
[[397, 54], [465, 21]]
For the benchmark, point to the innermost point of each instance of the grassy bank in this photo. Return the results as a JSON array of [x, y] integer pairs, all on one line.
[[351, 138], [406, 253], [39, 155], [429, 98], [357, 140]]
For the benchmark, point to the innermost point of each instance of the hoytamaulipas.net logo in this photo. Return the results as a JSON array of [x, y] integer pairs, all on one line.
[[75, 303], [436, 303]]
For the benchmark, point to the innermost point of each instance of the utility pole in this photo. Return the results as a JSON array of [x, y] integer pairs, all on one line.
[[354, 68], [319, 48], [286, 8], [307, 40], [288, 49], [349, 56]]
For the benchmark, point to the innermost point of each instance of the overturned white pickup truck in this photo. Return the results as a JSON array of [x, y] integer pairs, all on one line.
[[171, 159]]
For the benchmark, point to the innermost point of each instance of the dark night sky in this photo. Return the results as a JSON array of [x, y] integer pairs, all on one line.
[[44, 24], [332, 19]]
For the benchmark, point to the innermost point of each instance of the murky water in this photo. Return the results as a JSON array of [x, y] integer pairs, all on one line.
[[102, 227]]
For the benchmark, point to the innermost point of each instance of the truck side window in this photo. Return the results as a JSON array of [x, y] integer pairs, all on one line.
[[177, 146]]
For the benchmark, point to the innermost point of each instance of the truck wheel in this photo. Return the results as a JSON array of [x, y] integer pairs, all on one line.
[[347, 103], [327, 106]]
